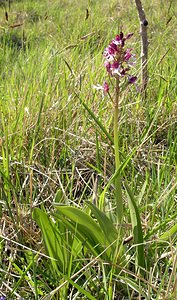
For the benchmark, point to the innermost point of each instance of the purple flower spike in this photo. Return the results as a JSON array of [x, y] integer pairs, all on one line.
[[118, 60], [2, 298]]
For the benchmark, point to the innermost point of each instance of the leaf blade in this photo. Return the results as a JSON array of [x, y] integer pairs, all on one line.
[[136, 225], [52, 238]]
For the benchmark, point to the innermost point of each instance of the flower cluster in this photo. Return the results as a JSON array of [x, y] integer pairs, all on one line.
[[119, 60]]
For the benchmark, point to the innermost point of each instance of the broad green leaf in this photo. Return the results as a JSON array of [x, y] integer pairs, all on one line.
[[85, 228], [136, 225], [52, 238], [110, 232], [81, 234], [82, 218], [169, 234]]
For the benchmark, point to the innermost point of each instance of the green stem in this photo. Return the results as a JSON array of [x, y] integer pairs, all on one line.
[[118, 191]]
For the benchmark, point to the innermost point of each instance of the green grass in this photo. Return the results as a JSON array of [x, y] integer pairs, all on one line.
[[54, 149]]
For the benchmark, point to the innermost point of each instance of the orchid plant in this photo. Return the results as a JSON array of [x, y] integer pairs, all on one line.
[[72, 227], [118, 63]]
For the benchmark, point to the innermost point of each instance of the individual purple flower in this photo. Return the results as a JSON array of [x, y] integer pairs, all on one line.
[[111, 49], [108, 66], [2, 298], [132, 79], [128, 54], [115, 68], [106, 87], [115, 65], [118, 60]]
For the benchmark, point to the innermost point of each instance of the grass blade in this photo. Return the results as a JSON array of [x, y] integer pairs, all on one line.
[[97, 121], [136, 225], [169, 234]]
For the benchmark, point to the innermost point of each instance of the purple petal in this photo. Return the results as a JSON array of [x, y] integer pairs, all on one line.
[[122, 42], [113, 45], [132, 79], [129, 35], [121, 35], [117, 38], [127, 56], [106, 87], [115, 65], [107, 66]]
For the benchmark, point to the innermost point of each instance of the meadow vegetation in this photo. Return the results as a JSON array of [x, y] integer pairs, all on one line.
[[59, 237]]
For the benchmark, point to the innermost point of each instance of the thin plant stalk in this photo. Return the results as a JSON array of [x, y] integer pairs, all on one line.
[[118, 191]]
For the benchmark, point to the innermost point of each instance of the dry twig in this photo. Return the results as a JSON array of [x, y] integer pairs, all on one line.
[[144, 43]]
